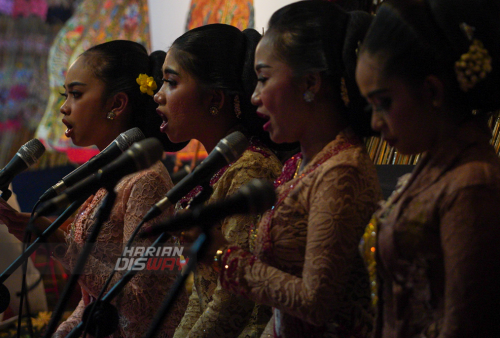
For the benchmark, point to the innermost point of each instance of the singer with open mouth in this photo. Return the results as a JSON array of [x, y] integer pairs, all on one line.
[[106, 96], [306, 263], [208, 79]]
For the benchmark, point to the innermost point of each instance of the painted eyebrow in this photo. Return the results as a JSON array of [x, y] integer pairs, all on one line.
[[76, 83], [260, 66], [170, 71], [376, 91]]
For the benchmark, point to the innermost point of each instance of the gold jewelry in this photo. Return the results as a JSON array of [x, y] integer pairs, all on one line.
[[308, 96], [343, 92], [111, 115], [299, 162], [146, 84], [214, 110], [237, 107], [473, 66]]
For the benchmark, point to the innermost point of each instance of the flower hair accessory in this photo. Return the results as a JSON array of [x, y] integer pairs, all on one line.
[[147, 84], [474, 65]]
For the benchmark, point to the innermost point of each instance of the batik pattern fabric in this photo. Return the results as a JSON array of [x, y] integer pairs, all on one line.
[[142, 296], [238, 13], [306, 263], [213, 311], [437, 244]]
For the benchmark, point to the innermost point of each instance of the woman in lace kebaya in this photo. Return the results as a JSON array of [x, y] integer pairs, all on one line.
[[431, 71], [208, 80], [306, 263], [103, 100]]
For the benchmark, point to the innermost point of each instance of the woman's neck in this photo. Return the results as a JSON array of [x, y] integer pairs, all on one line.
[[211, 139], [319, 133]]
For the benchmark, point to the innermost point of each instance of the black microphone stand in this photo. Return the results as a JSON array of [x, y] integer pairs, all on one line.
[[5, 298], [196, 250], [105, 310], [102, 215]]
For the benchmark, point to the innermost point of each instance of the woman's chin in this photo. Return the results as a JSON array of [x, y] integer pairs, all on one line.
[[278, 138], [176, 138]]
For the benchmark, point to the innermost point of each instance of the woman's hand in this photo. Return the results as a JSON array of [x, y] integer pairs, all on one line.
[[16, 221]]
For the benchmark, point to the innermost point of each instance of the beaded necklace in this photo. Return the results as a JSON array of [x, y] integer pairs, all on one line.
[[255, 145]]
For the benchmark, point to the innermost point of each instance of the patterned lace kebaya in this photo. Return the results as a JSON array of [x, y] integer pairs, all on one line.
[[306, 263]]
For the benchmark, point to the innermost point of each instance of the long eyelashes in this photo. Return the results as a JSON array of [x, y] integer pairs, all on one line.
[[75, 94], [383, 105], [170, 82]]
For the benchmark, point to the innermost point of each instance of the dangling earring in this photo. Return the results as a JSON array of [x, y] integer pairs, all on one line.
[[237, 107], [308, 96], [111, 115], [214, 110], [343, 92]]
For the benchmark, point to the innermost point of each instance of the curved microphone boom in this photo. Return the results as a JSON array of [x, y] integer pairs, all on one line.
[[26, 156], [140, 155], [228, 150], [255, 197], [112, 151]]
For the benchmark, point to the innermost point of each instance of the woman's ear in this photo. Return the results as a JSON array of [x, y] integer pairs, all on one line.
[[313, 82], [434, 91], [119, 103], [217, 99]]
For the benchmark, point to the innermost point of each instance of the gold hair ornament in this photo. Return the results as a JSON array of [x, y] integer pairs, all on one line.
[[147, 84], [474, 65]]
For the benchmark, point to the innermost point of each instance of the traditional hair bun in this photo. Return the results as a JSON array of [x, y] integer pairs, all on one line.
[[248, 77]]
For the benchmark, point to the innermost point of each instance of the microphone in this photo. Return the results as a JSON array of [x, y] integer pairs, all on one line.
[[26, 156], [228, 150], [255, 197], [112, 151], [139, 156], [179, 175]]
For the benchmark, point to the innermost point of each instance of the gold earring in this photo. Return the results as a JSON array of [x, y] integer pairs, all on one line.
[[237, 106], [111, 115], [214, 110]]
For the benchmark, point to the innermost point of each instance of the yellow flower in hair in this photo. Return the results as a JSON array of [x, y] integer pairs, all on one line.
[[147, 84]]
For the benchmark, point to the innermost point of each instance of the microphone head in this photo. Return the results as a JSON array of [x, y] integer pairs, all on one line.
[[259, 194], [129, 137], [31, 151], [232, 146], [145, 153]]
